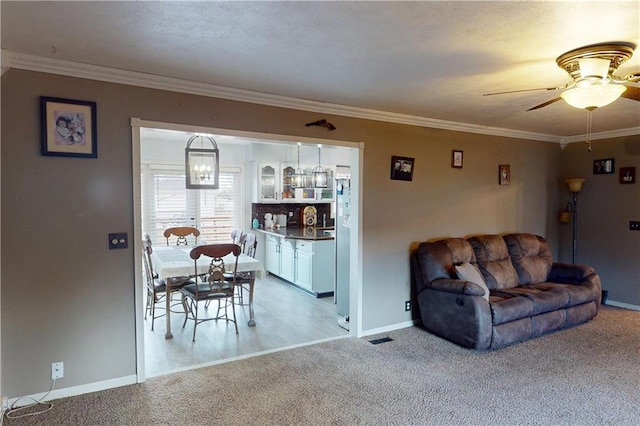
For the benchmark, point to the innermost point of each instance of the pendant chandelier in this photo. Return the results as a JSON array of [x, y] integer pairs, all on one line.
[[319, 174], [202, 169], [299, 179]]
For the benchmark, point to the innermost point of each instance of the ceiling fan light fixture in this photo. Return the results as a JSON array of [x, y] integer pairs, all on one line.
[[592, 96], [594, 68]]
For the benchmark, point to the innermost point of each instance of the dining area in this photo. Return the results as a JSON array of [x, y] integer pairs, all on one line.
[[183, 327], [183, 273]]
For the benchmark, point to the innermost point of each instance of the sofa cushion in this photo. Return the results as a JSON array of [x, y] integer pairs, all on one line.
[[508, 307], [531, 257], [545, 297], [461, 250], [468, 272], [494, 262]]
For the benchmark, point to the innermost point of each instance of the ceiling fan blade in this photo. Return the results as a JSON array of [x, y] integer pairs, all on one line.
[[523, 90], [545, 103], [632, 92]]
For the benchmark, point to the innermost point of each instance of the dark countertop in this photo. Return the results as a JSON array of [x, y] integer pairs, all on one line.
[[306, 233]]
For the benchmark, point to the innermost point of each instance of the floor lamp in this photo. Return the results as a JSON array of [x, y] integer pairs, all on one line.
[[575, 186]]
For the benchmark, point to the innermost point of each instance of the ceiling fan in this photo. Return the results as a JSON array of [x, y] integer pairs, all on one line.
[[593, 82]]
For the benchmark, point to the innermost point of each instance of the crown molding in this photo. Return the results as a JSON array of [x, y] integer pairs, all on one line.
[[114, 75], [601, 135]]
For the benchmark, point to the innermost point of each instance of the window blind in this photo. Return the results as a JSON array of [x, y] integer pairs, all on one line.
[[167, 203]]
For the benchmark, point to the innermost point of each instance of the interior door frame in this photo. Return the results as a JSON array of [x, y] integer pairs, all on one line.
[[356, 249]]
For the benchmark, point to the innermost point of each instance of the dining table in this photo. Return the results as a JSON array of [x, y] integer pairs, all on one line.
[[174, 261]]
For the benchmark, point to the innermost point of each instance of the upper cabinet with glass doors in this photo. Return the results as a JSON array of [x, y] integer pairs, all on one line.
[[268, 181], [275, 184]]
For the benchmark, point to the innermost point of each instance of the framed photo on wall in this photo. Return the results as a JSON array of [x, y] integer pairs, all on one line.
[[627, 175], [456, 159], [504, 174], [603, 167], [68, 128], [402, 168]]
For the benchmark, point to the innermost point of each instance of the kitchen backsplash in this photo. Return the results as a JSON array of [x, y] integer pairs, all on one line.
[[259, 210]]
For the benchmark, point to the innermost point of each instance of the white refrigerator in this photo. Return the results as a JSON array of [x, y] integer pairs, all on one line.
[[342, 236]]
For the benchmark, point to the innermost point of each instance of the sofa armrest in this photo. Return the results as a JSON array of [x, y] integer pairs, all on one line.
[[569, 273], [457, 286]]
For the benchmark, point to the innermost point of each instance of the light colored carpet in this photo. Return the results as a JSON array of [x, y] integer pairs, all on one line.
[[582, 376]]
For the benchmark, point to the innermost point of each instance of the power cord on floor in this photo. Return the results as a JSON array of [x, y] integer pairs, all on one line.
[[10, 411]]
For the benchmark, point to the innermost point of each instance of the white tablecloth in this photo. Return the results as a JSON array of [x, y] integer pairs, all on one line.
[[174, 261]]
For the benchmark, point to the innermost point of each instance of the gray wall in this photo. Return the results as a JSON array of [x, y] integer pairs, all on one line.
[[66, 297], [605, 208]]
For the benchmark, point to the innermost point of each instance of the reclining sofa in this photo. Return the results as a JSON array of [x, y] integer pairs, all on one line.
[[490, 291]]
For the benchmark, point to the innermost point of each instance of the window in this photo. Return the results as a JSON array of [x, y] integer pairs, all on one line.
[[167, 203]]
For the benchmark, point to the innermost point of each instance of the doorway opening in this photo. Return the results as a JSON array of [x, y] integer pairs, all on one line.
[[155, 355]]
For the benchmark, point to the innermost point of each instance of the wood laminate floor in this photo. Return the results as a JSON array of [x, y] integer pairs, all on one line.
[[285, 316]]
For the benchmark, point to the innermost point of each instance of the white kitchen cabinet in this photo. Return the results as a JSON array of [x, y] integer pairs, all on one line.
[[280, 257], [315, 266], [287, 259], [304, 264], [286, 178], [272, 254], [273, 183], [308, 264], [268, 183], [326, 194]]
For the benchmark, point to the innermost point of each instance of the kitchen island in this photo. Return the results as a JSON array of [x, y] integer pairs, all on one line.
[[303, 256]]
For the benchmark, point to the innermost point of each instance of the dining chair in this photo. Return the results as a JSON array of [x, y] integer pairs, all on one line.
[[216, 287], [236, 236], [157, 288], [182, 232], [249, 244]]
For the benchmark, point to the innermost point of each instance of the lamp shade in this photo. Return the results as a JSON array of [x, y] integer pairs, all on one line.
[[592, 96], [564, 216], [575, 184]]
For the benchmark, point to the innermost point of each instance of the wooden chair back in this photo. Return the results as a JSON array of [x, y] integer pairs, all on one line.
[[182, 232]]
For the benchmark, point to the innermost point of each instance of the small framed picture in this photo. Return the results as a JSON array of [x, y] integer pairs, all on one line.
[[627, 175], [456, 159], [504, 174], [603, 167], [402, 168], [68, 128]]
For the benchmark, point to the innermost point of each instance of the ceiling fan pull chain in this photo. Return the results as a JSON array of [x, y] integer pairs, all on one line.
[[589, 120]]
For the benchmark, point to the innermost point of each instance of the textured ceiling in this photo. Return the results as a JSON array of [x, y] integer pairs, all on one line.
[[426, 59]]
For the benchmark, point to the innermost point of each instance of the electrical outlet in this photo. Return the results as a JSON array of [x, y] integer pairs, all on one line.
[[634, 225], [57, 370], [407, 305]]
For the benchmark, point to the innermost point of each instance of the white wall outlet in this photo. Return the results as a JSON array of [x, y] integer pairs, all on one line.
[[57, 370]]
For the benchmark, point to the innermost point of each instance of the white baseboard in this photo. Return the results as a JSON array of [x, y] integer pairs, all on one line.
[[623, 305], [389, 328], [73, 390]]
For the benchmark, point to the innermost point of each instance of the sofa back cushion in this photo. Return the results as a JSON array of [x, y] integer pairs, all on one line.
[[494, 262], [531, 257], [437, 259], [461, 250]]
